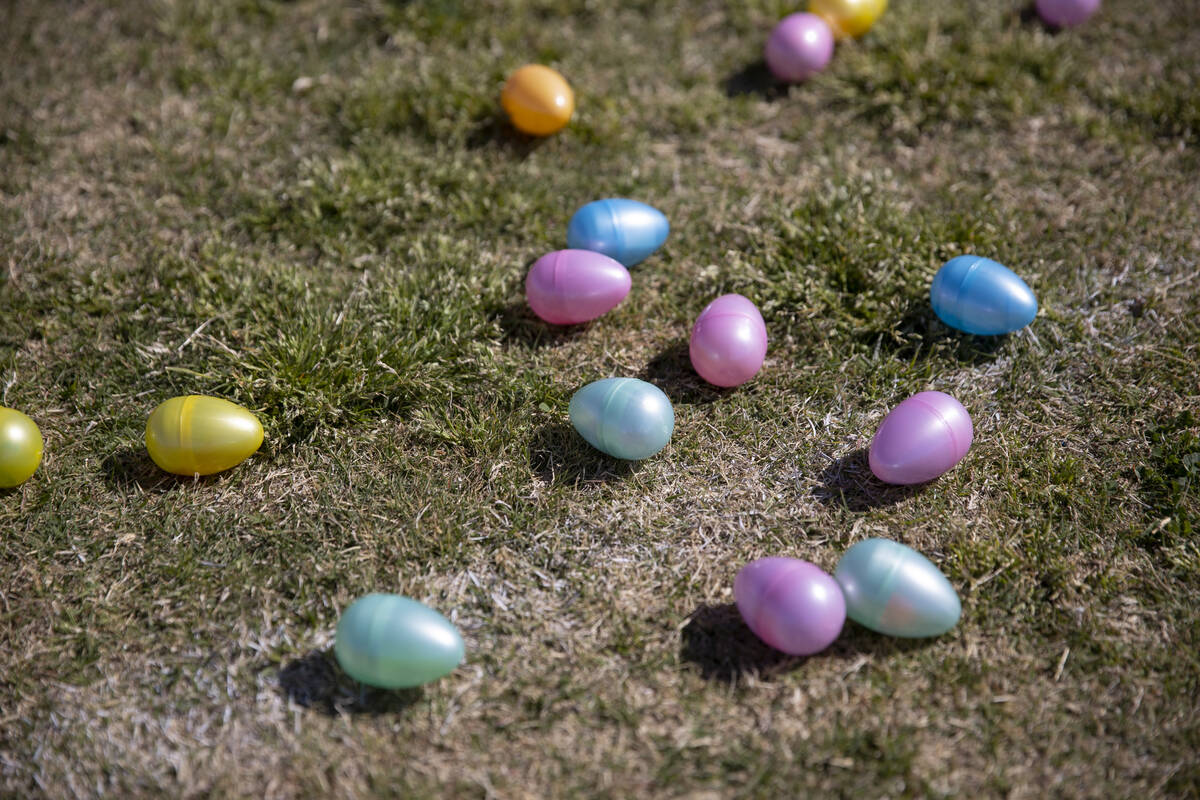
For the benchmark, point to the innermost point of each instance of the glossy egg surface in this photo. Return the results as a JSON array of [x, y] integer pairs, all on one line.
[[567, 287], [848, 17], [729, 341], [20, 447], [790, 604], [623, 417], [799, 47], [980, 296], [921, 438], [539, 101], [893, 589], [201, 435], [392, 642], [624, 230]]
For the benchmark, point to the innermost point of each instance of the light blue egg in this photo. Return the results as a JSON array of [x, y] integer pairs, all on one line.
[[623, 417], [981, 296], [621, 229], [893, 589], [391, 641]]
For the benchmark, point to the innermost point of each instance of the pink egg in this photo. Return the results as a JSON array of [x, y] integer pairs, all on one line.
[[790, 604], [799, 47], [920, 439], [729, 341], [1066, 13], [567, 287]]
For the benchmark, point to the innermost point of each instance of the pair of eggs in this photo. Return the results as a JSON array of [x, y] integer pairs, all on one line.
[[591, 277], [395, 642], [797, 607], [801, 45]]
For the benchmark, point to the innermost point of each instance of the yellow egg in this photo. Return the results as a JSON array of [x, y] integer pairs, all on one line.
[[539, 101], [848, 17], [20, 447], [199, 435]]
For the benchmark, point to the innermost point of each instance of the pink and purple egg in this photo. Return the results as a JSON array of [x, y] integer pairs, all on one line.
[[729, 341], [920, 439], [1066, 13], [799, 47], [567, 287], [792, 605]]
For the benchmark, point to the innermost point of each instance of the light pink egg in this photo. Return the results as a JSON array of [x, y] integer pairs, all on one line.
[[921, 438], [729, 341], [568, 287]]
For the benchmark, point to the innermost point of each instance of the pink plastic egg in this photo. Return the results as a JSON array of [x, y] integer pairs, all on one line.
[[1066, 13], [729, 341], [920, 439], [790, 604], [567, 287], [799, 47]]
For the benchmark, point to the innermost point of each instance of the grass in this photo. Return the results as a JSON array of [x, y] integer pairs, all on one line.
[[345, 256]]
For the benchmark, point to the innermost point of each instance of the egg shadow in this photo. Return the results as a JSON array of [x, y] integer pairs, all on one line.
[[558, 455], [849, 483], [316, 682], [755, 79], [718, 644], [519, 326], [494, 131], [919, 335], [671, 370], [1030, 18], [130, 469]]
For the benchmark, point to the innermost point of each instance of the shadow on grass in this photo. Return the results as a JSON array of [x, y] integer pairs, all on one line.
[[919, 335], [849, 482], [494, 131], [1030, 18], [719, 644], [560, 456], [755, 79], [130, 467], [672, 371], [520, 326], [315, 682]]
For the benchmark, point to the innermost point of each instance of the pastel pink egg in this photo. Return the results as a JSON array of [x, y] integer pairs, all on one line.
[[568, 287], [729, 341], [920, 439], [1066, 13], [799, 47], [790, 604]]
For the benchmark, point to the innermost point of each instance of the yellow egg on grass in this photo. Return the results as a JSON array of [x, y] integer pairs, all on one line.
[[848, 17], [199, 435], [539, 101], [20, 447]]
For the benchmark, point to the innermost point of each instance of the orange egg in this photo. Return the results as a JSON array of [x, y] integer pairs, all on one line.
[[539, 101]]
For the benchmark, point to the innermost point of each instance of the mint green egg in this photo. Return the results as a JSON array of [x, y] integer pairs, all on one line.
[[893, 589], [392, 642], [624, 417]]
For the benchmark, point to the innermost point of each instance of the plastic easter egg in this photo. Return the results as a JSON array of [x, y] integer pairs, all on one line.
[[729, 341], [623, 417], [790, 604], [893, 589], [539, 101], [20, 447], [1066, 13], [981, 296], [921, 438], [568, 287], [200, 435], [848, 17], [625, 230], [799, 47], [393, 642]]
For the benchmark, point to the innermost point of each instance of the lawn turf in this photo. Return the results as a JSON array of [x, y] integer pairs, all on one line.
[[316, 210]]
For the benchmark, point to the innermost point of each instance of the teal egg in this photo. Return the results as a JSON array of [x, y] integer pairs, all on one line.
[[623, 417], [893, 589], [390, 641]]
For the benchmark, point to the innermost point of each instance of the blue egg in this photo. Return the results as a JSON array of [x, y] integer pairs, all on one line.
[[893, 589], [623, 417], [981, 296], [625, 230]]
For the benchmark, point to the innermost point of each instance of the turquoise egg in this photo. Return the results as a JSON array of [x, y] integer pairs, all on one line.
[[893, 589], [981, 296], [624, 230], [390, 641], [623, 417]]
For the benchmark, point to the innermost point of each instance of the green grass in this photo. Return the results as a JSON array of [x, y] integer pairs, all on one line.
[[347, 260]]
